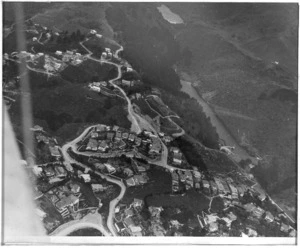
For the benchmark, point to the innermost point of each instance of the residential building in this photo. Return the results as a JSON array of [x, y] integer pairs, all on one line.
[[234, 191], [249, 207], [115, 128], [130, 182], [206, 186], [118, 135], [110, 168], [86, 177], [128, 222], [93, 31], [101, 128], [214, 187], [220, 186], [269, 217], [97, 187], [103, 146], [40, 213], [54, 151], [69, 201], [226, 188], [241, 189], [231, 216], [258, 212], [284, 228], [49, 171], [125, 135], [110, 135], [155, 147], [94, 135], [128, 212], [120, 226], [60, 171], [137, 203], [138, 141], [92, 145], [131, 137]]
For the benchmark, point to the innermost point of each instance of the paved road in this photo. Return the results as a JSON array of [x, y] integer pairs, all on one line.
[[88, 221], [69, 160]]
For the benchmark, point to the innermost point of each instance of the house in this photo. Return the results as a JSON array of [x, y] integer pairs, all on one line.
[[141, 168], [128, 212], [110, 135], [231, 216], [137, 203], [110, 168], [220, 186], [118, 135], [125, 135], [108, 50], [249, 207], [34, 39], [60, 171], [206, 186], [103, 146], [130, 182], [86, 177], [241, 189], [131, 137], [167, 139], [174, 150], [54, 151], [226, 188], [293, 233], [120, 226], [138, 141], [69, 201], [227, 220], [75, 188], [214, 187], [155, 147], [284, 228], [115, 128], [101, 128], [128, 222], [269, 217], [234, 191], [135, 229], [213, 227], [94, 135], [97, 187], [258, 212], [128, 172], [177, 158], [104, 55], [49, 171], [140, 179], [202, 222], [251, 232], [40, 213], [93, 31], [92, 145]]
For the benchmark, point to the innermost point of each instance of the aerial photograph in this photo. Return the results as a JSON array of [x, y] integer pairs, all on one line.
[[149, 119]]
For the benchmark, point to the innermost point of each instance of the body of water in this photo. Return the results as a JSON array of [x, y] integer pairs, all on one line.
[[239, 152], [169, 16]]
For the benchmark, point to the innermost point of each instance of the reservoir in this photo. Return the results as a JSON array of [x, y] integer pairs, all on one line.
[[239, 152], [169, 16]]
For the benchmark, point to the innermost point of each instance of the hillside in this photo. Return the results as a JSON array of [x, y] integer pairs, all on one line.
[[246, 54]]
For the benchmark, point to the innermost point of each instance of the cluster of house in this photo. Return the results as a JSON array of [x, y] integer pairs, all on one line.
[[127, 218], [69, 201], [210, 222], [51, 143], [52, 64], [94, 32], [96, 86], [107, 54], [137, 180], [72, 57], [176, 156], [104, 138]]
